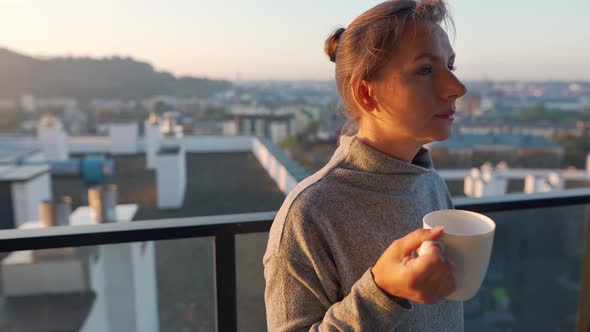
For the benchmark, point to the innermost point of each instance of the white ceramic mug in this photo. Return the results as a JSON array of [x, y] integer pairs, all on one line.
[[467, 240]]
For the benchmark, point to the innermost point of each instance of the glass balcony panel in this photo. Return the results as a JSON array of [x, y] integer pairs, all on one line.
[[533, 280], [250, 281], [140, 286]]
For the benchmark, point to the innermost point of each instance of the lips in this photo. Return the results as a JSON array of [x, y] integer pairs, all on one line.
[[448, 115]]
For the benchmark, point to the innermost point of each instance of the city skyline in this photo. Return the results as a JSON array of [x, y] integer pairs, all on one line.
[[526, 40]]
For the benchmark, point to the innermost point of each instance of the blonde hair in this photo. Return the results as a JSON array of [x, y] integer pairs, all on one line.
[[362, 50]]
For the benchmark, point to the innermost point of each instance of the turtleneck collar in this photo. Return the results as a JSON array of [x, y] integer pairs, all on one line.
[[365, 158]]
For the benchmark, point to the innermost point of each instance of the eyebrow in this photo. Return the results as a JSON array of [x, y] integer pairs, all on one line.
[[431, 56]]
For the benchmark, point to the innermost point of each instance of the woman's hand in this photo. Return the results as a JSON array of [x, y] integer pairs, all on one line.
[[424, 279]]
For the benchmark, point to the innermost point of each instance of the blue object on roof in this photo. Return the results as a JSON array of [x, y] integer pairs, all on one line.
[[94, 169]]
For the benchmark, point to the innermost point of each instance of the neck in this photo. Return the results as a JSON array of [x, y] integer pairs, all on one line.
[[401, 148]]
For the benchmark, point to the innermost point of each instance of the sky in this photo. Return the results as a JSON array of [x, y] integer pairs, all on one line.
[[283, 39]]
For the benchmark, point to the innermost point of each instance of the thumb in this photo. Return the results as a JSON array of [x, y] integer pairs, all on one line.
[[409, 243]]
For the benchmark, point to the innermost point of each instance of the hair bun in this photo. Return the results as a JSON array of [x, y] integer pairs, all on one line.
[[331, 44]]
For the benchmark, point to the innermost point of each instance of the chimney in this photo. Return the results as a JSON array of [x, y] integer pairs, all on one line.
[[485, 182], [55, 212], [123, 138], [556, 181], [52, 139], [169, 127], [102, 201], [543, 183], [152, 140], [230, 128], [171, 176], [469, 182], [533, 184]]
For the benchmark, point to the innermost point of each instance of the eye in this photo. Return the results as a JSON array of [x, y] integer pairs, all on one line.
[[452, 67], [425, 70]]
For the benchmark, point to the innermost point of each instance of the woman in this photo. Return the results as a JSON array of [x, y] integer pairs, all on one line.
[[341, 249]]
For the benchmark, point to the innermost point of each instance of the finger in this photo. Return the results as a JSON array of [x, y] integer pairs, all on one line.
[[443, 284], [448, 285], [435, 286], [409, 243], [430, 262], [431, 248]]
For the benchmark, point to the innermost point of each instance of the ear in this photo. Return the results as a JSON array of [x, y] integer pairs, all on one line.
[[363, 94]]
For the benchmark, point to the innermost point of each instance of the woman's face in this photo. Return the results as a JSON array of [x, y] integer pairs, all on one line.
[[415, 96]]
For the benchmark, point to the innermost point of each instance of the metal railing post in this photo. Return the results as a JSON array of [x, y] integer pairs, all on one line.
[[583, 322], [225, 281]]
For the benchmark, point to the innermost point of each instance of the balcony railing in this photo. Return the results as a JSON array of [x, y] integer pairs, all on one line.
[[225, 228]]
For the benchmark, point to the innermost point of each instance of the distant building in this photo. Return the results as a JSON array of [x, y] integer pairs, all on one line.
[[115, 105], [546, 131], [207, 128], [52, 139], [56, 103], [161, 103], [304, 116], [470, 104], [465, 151], [259, 122], [565, 104]]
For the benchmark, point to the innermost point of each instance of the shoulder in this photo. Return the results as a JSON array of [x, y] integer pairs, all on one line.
[[296, 223]]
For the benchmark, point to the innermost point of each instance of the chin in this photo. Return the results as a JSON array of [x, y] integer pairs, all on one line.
[[441, 135]]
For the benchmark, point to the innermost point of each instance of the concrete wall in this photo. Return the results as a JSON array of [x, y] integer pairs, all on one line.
[[124, 138], [279, 172], [212, 143], [123, 276], [151, 143], [171, 179], [89, 144], [26, 197], [53, 141], [146, 288]]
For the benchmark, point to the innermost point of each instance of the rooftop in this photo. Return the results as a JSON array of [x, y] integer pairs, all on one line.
[[217, 183], [472, 141], [21, 173]]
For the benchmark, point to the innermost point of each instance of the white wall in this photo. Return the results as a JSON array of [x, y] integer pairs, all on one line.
[[89, 144], [151, 143], [124, 279], [277, 171], [124, 138], [102, 144], [278, 131], [211, 143], [52, 140], [123, 276], [97, 319], [111, 276], [230, 128], [26, 197], [171, 179], [543, 183], [144, 281]]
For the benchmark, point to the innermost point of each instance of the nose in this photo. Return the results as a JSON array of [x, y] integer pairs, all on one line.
[[455, 89]]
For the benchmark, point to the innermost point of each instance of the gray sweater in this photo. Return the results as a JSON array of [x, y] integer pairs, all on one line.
[[331, 230]]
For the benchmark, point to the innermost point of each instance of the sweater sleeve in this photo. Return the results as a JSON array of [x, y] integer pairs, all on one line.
[[297, 301]]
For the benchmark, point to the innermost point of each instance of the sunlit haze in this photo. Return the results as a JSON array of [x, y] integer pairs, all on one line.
[[264, 39]]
